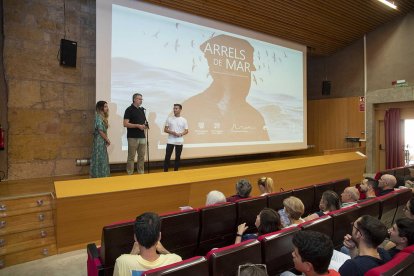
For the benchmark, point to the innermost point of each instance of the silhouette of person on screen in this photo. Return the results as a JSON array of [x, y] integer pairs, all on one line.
[[221, 113]]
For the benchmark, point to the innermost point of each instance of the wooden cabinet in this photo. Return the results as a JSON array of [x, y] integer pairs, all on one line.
[[26, 229]]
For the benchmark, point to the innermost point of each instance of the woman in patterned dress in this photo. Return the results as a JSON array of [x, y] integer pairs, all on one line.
[[99, 158]]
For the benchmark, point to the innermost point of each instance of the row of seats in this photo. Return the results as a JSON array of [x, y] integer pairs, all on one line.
[[248, 252], [274, 249], [400, 173], [195, 232]]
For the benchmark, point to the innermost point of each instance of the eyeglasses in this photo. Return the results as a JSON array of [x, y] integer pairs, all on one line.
[[261, 267], [353, 225]]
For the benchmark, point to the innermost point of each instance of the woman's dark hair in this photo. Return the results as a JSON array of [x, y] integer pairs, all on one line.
[[332, 200], [100, 106], [269, 221]]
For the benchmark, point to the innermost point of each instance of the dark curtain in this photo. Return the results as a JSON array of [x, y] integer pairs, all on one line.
[[394, 139]]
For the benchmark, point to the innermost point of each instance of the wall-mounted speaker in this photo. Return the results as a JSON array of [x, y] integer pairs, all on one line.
[[326, 88], [68, 51]]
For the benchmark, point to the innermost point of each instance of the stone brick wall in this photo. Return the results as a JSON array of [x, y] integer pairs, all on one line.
[[50, 107]]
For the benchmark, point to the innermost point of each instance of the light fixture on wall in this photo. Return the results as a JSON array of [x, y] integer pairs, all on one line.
[[389, 4]]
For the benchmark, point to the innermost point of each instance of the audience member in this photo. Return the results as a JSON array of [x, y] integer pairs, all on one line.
[[252, 270], [267, 221], [292, 212], [312, 253], [401, 235], [215, 197], [349, 196], [386, 184], [329, 202], [243, 189], [367, 234], [147, 252], [265, 185], [367, 188], [409, 209]]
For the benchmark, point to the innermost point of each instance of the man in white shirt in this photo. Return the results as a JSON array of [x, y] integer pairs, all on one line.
[[176, 127], [148, 252]]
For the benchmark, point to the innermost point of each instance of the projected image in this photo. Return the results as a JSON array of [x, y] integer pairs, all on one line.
[[236, 91]]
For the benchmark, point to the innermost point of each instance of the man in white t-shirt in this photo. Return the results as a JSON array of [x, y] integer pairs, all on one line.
[[176, 127], [148, 252]]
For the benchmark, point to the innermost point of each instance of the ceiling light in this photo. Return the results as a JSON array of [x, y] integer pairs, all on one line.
[[389, 4]]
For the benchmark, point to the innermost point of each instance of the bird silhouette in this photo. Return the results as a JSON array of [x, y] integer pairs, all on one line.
[[156, 34], [176, 45]]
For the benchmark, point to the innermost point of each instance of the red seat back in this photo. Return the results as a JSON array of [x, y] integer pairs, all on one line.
[[180, 232], [277, 250], [217, 226], [193, 266], [275, 200], [248, 209], [226, 260]]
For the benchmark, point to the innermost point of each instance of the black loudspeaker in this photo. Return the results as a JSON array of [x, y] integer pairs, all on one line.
[[68, 51], [326, 88]]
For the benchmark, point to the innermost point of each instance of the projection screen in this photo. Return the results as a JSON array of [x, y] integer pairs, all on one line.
[[242, 92]]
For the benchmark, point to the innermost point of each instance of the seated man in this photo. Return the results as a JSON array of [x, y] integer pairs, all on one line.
[[243, 189], [312, 253], [401, 235], [386, 184], [367, 234], [148, 252], [367, 188], [349, 196]]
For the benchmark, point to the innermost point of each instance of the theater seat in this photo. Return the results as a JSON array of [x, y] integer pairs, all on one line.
[[275, 200], [217, 226], [193, 266], [247, 211], [226, 260], [277, 250], [116, 239], [180, 232], [369, 207], [323, 224], [402, 264], [403, 195], [93, 264], [342, 220], [388, 208], [340, 185]]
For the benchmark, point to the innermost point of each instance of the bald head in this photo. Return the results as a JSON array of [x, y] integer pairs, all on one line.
[[350, 194], [387, 181]]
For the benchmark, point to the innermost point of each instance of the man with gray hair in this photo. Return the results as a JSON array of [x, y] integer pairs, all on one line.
[[349, 196], [243, 189], [135, 122], [386, 183]]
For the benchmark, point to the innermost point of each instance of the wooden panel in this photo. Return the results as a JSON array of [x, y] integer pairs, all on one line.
[[16, 238], [81, 214], [331, 120], [26, 222], [17, 206], [29, 255]]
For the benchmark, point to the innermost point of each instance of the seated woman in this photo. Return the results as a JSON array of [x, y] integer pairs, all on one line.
[[215, 197], [293, 210], [265, 185], [267, 221], [329, 202]]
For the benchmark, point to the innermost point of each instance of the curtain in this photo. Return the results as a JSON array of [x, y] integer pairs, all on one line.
[[394, 139]]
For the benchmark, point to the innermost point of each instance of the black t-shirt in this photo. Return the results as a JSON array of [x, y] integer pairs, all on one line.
[[135, 115], [361, 264]]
